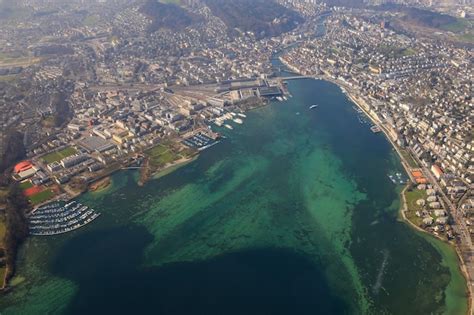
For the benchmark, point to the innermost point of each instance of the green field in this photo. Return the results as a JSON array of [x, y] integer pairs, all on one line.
[[162, 155], [395, 51], [59, 155], [41, 197], [411, 198], [26, 185]]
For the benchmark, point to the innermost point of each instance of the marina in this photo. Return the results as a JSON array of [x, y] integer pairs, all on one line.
[[200, 141], [235, 117], [281, 98], [56, 218]]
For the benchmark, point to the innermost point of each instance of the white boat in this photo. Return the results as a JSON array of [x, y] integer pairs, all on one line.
[[233, 114], [218, 122], [239, 121], [228, 126], [279, 98], [242, 115], [313, 106], [285, 98]]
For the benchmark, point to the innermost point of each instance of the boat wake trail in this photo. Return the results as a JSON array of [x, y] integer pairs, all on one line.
[[378, 283]]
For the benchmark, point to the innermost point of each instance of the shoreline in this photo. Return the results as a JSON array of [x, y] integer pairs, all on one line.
[[355, 99], [100, 184], [462, 265], [171, 167], [145, 175]]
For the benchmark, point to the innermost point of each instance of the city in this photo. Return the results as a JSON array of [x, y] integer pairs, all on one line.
[[88, 89]]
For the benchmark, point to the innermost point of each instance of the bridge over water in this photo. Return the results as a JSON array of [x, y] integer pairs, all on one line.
[[296, 77]]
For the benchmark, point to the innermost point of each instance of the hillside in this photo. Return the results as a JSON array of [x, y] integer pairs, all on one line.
[[427, 18], [265, 18], [168, 15]]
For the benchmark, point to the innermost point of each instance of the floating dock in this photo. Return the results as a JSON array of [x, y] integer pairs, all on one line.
[[375, 129], [56, 218]]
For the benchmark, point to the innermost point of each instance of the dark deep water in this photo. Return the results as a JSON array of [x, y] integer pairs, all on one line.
[[292, 214], [246, 282]]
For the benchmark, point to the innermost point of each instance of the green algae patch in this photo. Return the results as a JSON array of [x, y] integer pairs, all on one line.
[[51, 297], [330, 198], [456, 291]]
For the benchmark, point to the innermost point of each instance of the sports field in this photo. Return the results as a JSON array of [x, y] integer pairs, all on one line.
[[59, 155]]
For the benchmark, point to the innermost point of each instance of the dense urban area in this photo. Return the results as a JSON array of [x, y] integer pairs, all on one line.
[[88, 88]]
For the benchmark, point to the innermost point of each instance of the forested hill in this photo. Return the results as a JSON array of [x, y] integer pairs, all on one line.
[[427, 18], [170, 16], [265, 18]]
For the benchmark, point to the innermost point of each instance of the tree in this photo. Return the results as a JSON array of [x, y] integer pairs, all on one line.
[[14, 150], [17, 224]]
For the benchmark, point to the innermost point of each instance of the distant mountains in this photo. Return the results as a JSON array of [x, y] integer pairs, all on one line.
[[265, 18]]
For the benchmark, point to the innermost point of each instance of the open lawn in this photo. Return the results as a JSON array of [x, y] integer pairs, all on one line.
[[41, 197], [58, 155], [158, 150], [411, 198], [162, 155], [26, 185], [395, 51]]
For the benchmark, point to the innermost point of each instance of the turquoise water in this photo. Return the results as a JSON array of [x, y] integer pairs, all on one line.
[[293, 213]]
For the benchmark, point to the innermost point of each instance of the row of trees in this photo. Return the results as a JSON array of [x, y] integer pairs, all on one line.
[[17, 225], [13, 149]]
